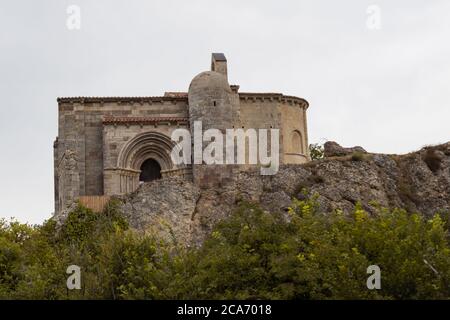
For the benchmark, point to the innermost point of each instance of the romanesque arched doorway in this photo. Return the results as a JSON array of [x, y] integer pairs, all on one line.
[[144, 158], [150, 170], [145, 146]]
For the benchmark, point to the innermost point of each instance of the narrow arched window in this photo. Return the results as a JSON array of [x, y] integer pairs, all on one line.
[[297, 142]]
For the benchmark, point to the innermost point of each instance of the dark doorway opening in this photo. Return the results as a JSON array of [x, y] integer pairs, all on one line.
[[150, 170]]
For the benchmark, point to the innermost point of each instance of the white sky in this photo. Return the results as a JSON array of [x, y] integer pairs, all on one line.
[[386, 90]]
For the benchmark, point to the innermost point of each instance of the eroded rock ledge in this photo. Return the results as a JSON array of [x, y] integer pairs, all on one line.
[[181, 212]]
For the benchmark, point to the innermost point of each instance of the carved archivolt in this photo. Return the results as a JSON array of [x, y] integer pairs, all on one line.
[[147, 145]]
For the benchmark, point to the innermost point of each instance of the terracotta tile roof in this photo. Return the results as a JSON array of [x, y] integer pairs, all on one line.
[[180, 96], [276, 96], [176, 94], [120, 99], [142, 120]]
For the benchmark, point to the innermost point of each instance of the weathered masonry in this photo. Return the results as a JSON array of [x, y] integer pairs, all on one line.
[[109, 145]]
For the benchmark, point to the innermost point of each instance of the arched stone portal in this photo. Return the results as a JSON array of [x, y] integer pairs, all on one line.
[[147, 145], [150, 170], [146, 157]]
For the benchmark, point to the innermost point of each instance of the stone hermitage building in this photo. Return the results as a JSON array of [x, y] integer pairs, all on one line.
[[109, 145]]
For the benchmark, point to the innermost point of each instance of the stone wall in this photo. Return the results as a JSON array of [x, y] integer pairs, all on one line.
[[276, 111], [80, 132]]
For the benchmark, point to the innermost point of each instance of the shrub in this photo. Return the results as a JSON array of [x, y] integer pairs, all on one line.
[[258, 255], [316, 151], [254, 254], [358, 156]]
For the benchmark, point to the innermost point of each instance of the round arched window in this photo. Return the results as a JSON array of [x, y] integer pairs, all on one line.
[[297, 142]]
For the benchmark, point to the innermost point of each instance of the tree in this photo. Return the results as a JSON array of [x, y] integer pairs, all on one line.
[[316, 151]]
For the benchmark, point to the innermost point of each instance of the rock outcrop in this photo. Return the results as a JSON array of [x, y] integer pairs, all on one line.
[[165, 207], [183, 213], [333, 149]]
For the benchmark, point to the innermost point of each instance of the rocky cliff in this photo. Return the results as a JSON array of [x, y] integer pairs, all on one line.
[[181, 212]]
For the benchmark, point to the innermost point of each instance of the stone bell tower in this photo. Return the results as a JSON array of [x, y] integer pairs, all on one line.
[[213, 104]]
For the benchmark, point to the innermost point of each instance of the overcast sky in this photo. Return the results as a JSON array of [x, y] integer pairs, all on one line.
[[386, 89]]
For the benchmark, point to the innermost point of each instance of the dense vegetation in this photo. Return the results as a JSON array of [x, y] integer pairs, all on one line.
[[302, 254]]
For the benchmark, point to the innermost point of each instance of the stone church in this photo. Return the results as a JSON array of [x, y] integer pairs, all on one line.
[[109, 145]]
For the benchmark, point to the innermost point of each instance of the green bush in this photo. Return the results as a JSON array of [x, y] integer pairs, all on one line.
[[316, 151], [254, 254], [358, 156]]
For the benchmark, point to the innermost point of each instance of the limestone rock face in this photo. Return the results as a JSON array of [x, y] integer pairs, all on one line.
[[185, 214], [333, 149], [163, 207]]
